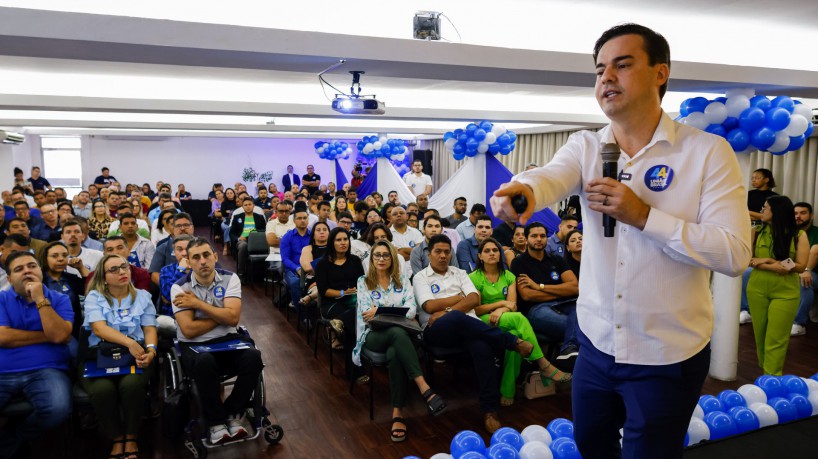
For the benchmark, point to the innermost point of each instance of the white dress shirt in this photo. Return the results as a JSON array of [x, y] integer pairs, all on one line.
[[409, 238], [430, 285], [644, 296]]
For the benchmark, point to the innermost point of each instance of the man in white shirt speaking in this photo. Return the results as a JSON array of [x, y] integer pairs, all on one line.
[[644, 310], [418, 182]]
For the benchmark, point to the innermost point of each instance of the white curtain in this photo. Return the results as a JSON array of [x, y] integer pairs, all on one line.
[[469, 181], [795, 172]]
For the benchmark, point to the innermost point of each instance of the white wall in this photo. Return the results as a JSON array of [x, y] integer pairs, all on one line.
[[198, 162]]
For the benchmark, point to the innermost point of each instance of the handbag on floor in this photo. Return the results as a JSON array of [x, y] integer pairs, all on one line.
[[534, 388]]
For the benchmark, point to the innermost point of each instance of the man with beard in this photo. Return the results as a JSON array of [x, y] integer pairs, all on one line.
[[803, 218]]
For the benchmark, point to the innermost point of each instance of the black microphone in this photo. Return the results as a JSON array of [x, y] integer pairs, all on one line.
[[610, 165]]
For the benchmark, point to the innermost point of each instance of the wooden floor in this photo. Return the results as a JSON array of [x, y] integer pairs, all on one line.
[[322, 420]]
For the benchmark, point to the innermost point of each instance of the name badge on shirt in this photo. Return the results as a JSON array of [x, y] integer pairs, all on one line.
[[376, 295], [658, 178], [505, 291], [123, 313], [435, 288], [625, 177], [399, 290], [65, 288], [218, 292], [412, 244], [555, 275]]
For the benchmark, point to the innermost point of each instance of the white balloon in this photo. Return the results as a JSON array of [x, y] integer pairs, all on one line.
[[498, 130], [798, 125], [490, 138], [766, 414], [698, 120], [326, 145], [697, 431], [377, 145], [482, 147], [346, 155], [811, 384], [737, 104], [450, 143], [320, 150], [698, 412], [813, 399], [536, 433], [442, 456], [382, 139], [535, 450], [746, 92], [368, 148], [803, 110], [752, 394], [782, 141], [715, 112], [400, 157]]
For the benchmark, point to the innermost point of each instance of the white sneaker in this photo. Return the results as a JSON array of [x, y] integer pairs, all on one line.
[[235, 427], [218, 434], [744, 317], [798, 330]]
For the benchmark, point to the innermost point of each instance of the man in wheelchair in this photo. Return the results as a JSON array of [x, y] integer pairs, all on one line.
[[207, 308]]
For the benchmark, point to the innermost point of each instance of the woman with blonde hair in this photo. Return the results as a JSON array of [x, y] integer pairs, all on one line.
[[385, 286]]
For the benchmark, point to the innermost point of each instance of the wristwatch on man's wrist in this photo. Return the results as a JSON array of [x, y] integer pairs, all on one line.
[[542, 287], [44, 303], [449, 309]]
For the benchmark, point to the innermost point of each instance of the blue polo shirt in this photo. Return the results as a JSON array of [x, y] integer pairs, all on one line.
[[555, 247], [16, 312], [291, 246]]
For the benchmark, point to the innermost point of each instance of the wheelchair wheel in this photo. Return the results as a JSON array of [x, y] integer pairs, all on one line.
[[272, 432], [196, 448]]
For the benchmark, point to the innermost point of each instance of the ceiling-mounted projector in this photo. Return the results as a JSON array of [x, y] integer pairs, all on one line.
[[358, 106], [13, 138]]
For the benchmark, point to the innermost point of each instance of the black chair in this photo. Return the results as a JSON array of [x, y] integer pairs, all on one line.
[[323, 323], [257, 251], [448, 354], [370, 359]]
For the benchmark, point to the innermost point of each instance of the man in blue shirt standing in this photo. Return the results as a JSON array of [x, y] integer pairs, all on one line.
[[291, 246], [35, 327]]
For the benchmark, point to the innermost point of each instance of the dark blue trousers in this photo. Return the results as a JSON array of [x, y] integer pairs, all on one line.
[[486, 345], [652, 403]]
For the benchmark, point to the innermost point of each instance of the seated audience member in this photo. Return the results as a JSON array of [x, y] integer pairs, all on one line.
[[275, 229], [51, 197], [339, 205], [352, 195], [547, 291], [35, 224], [171, 273], [385, 286], [370, 201], [412, 220], [13, 243], [163, 256], [216, 203], [50, 230], [229, 205], [72, 238], [39, 198], [207, 308], [100, 220], [323, 215], [447, 299], [140, 277], [379, 232], [161, 199], [518, 245], [65, 210], [142, 227], [319, 235], [263, 200], [573, 254], [504, 233], [356, 247], [419, 259], [808, 278], [467, 250], [359, 223], [182, 194], [373, 216], [116, 312], [273, 192], [54, 260], [163, 226], [459, 215], [404, 237], [240, 229], [82, 206], [556, 242], [498, 308], [378, 200], [423, 203], [292, 244], [466, 229], [386, 213], [141, 249], [336, 275], [87, 241], [35, 328], [18, 226], [412, 207], [112, 202]]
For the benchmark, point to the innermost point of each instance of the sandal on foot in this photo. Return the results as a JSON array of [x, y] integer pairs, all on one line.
[[362, 379], [130, 454], [506, 401], [524, 348], [305, 301], [118, 456], [491, 422], [337, 345], [434, 403], [398, 434], [547, 380]]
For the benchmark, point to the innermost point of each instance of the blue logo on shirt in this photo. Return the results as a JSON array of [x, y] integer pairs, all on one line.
[[658, 178], [376, 295], [412, 244], [218, 292], [65, 288], [505, 291], [555, 275], [435, 288], [123, 313], [398, 289]]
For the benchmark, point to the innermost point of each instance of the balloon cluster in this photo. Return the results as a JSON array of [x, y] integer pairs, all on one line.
[[751, 122], [333, 149], [481, 137], [556, 441], [771, 400], [381, 147]]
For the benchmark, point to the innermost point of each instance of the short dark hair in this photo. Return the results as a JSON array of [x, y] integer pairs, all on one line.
[[199, 241], [393, 191], [655, 45], [529, 227], [805, 205], [126, 216], [569, 217], [360, 206], [461, 198], [105, 169], [353, 189], [432, 217], [21, 202], [439, 239], [166, 196], [114, 239], [18, 219], [485, 217], [417, 160], [71, 222], [248, 198], [324, 204], [18, 254], [182, 216], [477, 208], [344, 214]]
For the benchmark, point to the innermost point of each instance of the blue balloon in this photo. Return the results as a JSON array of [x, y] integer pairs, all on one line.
[[796, 143], [513, 136], [458, 149], [709, 404], [751, 119], [509, 436], [793, 384], [565, 448], [810, 128], [472, 455], [771, 386], [802, 405], [411, 457], [777, 118], [687, 440], [472, 143], [684, 107], [457, 132], [716, 129], [465, 441], [504, 139], [785, 409], [470, 129], [744, 418], [721, 425], [763, 139], [730, 123], [318, 144], [360, 145], [761, 102], [730, 398], [459, 156], [396, 150], [697, 104], [479, 135], [511, 146], [486, 126], [505, 149], [494, 148], [448, 135], [560, 427], [471, 152], [502, 451], [784, 102]]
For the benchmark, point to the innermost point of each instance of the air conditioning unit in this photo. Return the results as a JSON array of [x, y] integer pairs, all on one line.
[[12, 138]]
